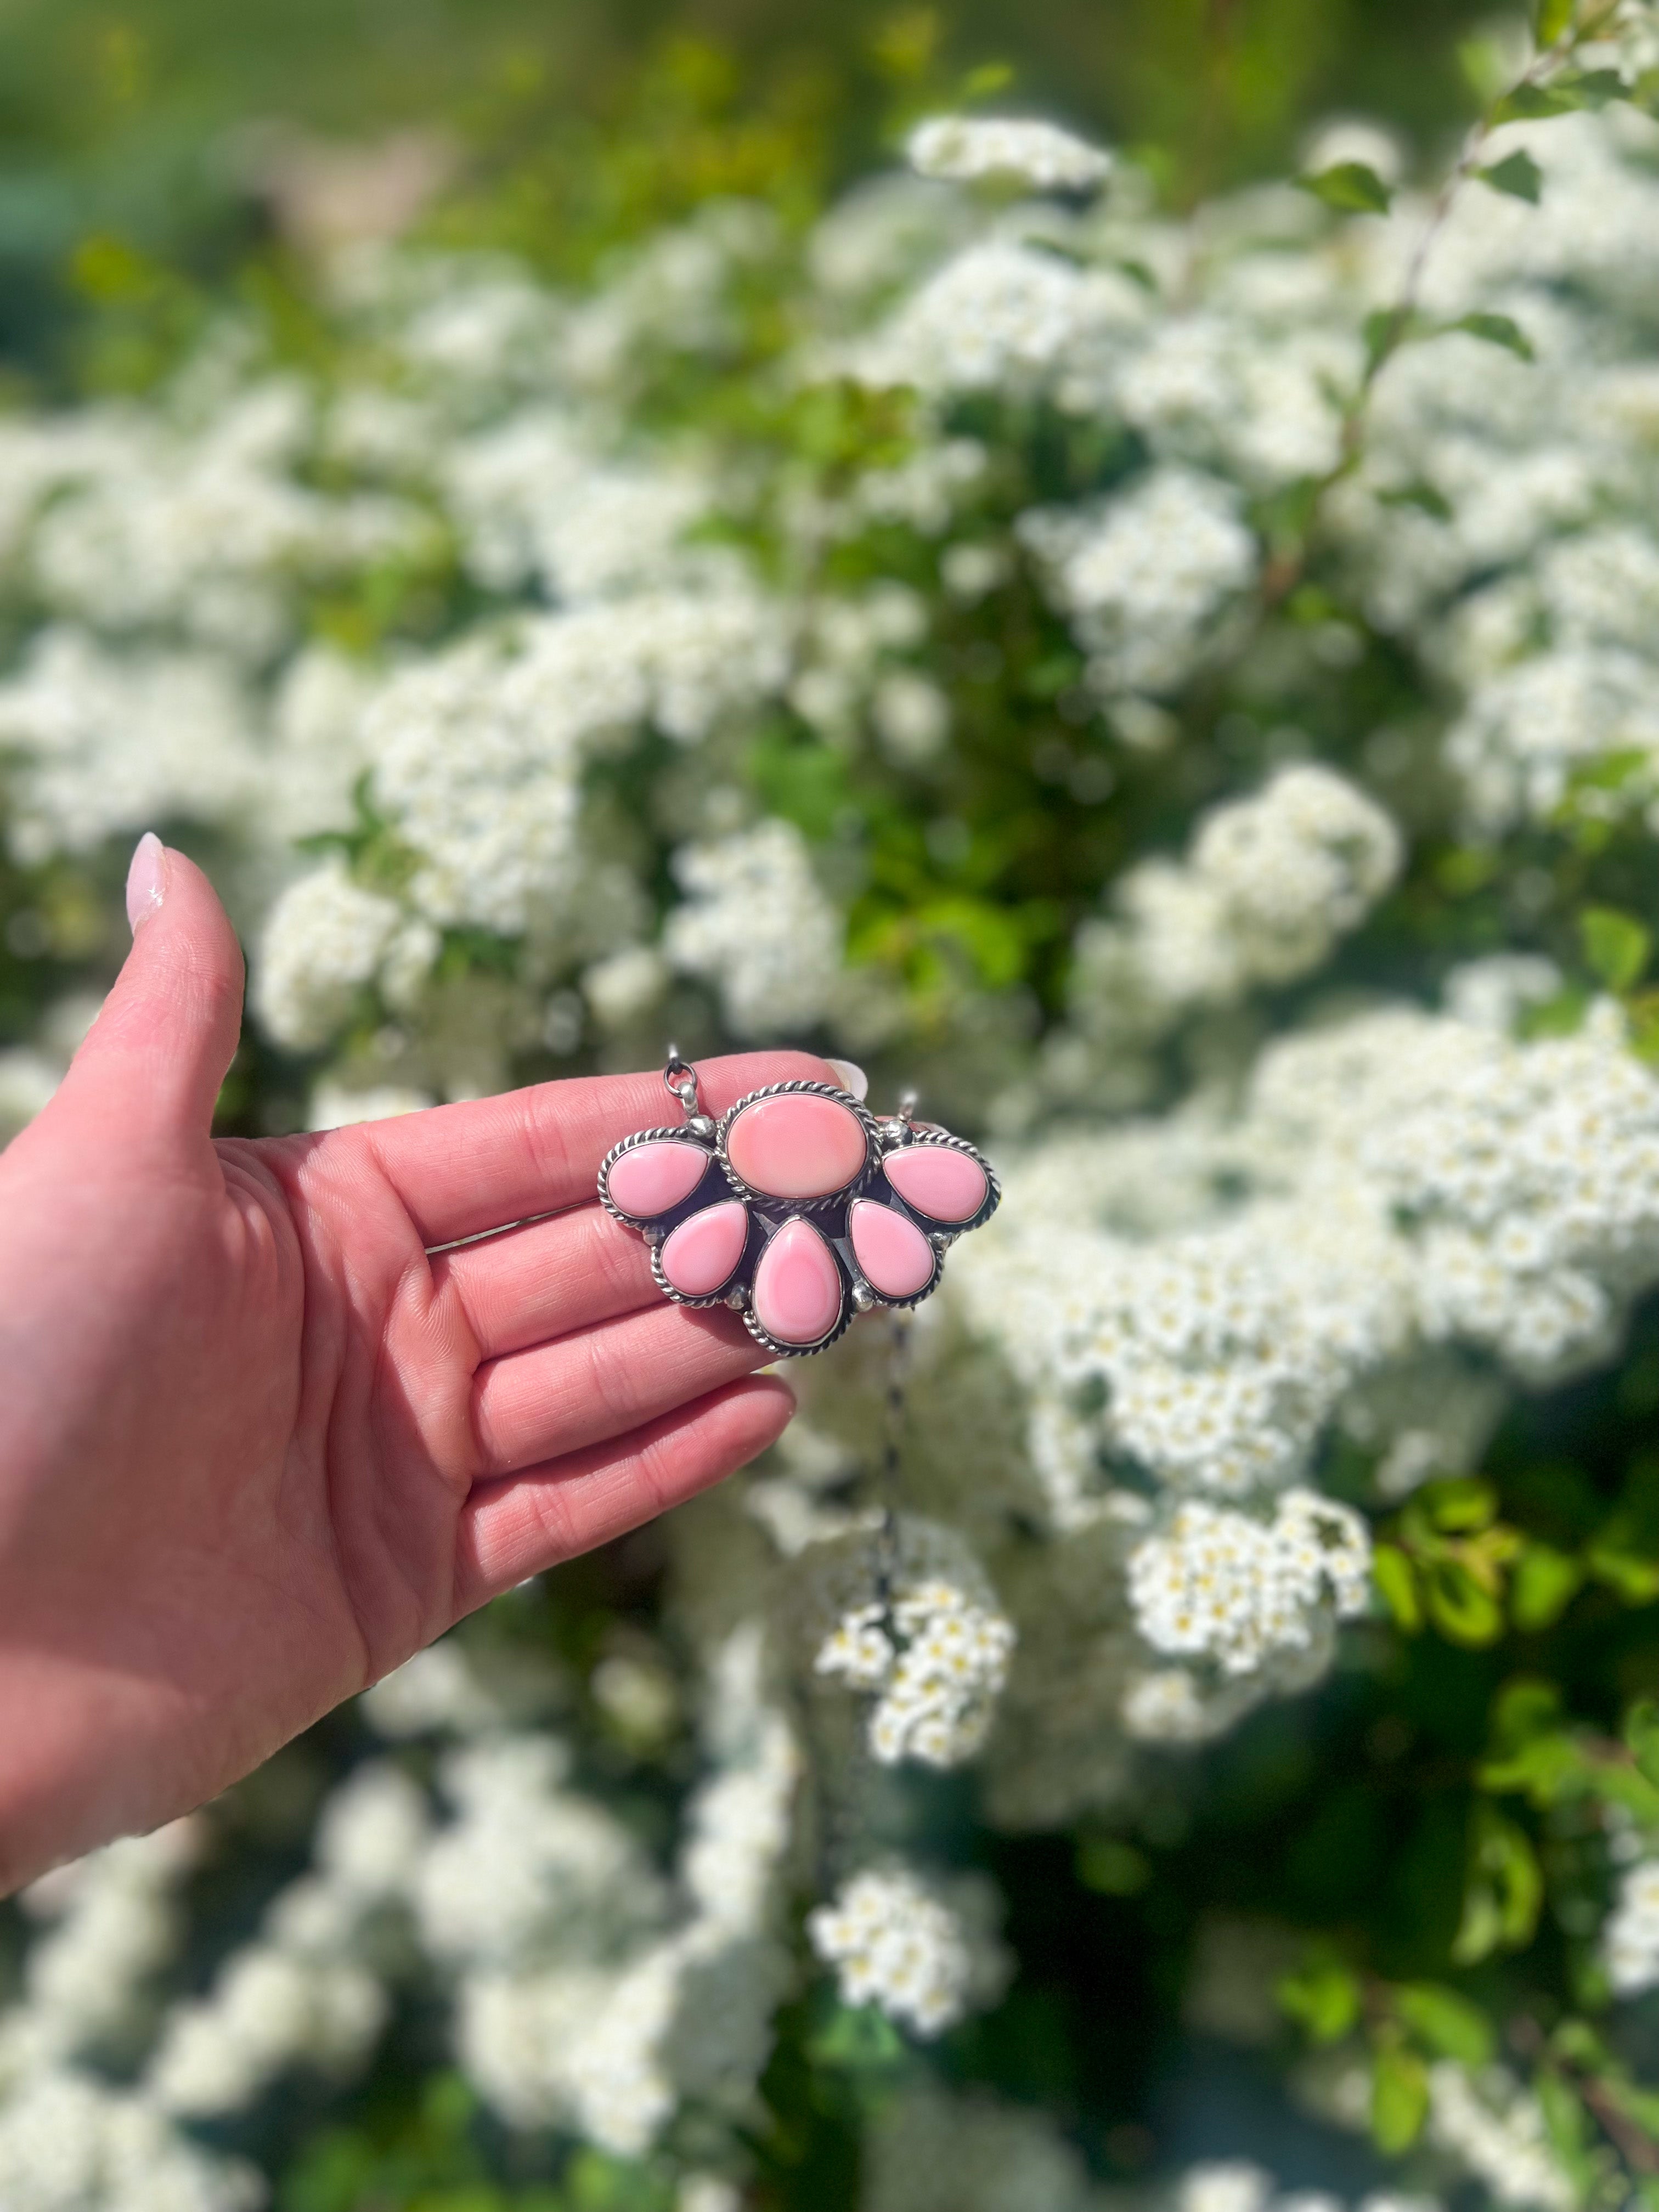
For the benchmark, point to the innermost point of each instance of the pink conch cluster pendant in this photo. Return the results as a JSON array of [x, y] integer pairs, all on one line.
[[799, 1209]]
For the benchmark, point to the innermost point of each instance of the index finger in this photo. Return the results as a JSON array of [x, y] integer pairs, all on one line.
[[461, 1170]]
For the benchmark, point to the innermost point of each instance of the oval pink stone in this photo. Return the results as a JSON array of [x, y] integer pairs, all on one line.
[[797, 1285], [797, 1146], [703, 1253], [944, 1184], [650, 1178], [896, 1257]]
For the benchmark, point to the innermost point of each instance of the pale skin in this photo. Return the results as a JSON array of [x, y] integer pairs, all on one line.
[[261, 1440]]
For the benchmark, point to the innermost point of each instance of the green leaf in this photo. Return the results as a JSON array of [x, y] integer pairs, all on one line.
[[1634, 1574], [1505, 1888], [1524, 1709], [1396, 1579], [1110, 1867], [1350, 188], [1531, 103], [987, 80], [1500, 331], [1642, 1013], [1481, 1930], [858, 2037], [1458, 1505], [1563, 2113], [1449, 2026], [1546, 1583], [1399, 2099], [1642, 1737], [1590, 87], [1421, 496], [1459, 1608], [1616, 945], [1517, 174], [1324, 1997], [1554, 20]]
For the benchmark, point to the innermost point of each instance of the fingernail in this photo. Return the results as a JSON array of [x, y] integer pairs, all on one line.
[[851, 1077], [147, 880]]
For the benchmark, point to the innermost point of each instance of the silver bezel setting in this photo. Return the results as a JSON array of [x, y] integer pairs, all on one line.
[[763, 1336], [680, 1136], [711, 1297], [860, 1113], [929, 1223], [880, 1298]]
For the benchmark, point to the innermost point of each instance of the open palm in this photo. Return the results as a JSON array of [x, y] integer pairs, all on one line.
[[263, 1437]]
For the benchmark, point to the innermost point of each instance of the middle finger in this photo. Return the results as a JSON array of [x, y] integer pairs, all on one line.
[[601, 1381], [548, 1277]]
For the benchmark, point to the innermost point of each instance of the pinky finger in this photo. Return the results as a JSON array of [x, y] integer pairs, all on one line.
[[524, 1522]]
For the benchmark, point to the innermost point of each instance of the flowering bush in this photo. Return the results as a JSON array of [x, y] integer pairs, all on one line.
[[1182, 691]]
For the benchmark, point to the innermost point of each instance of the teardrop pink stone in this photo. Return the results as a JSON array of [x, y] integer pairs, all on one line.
[[703, 1253], [650, 1178], [944, 1184], [896, 1257], [797, 1285], [797, 1146]]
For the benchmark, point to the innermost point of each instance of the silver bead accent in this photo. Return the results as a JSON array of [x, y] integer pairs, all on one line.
[[863, 1298], [701, 1126], [894, 1133], [736, 1300], [940, 1241], [653, 1236]]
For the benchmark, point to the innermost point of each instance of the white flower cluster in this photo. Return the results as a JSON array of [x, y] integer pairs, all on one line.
[[1002, 315], [1220, 1585], [585, 2003], [202, 526], [1145, 577], [105, 738], [931, 2151], [586, 1993], [1630, 1939], [939, 1664], [1237, 2185], [1268, 886], [961, 150], [896, 1945], [324, 941], [67, 2138], [69, 2142], [756, 924], [1401, 1181], [1495, 2129]]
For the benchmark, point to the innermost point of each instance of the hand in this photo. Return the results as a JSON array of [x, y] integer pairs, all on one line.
[[261, 1440]]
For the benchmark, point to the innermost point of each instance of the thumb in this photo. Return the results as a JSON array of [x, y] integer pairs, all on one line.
[[152, 1063]]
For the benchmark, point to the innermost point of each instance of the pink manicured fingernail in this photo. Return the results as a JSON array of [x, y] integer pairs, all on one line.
[[851, 1077], [147, 880]]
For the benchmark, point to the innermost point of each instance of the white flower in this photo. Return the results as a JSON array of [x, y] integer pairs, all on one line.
[[1498, 2131], [106, 742], [893, 1944], [322, 943], [1223, 1586], [1630, 1938], [757, 925], [963, 148], [939, 1662], [1146, 575]]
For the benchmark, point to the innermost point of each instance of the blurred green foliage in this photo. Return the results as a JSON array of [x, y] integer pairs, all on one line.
[[127, 146]]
